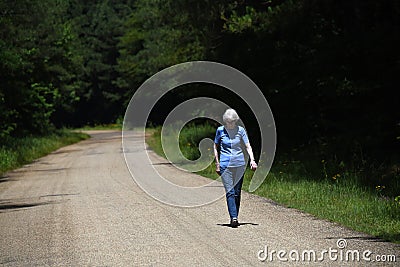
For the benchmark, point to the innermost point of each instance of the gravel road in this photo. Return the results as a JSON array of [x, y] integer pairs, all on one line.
[[79, 206]]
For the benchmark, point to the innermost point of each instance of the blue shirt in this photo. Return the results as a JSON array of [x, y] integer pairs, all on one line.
[[230, 143]]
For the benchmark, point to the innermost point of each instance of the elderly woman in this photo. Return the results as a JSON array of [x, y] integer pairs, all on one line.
[[230, 160]]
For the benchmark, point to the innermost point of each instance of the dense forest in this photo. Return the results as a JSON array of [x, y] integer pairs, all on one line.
[[329, 69]]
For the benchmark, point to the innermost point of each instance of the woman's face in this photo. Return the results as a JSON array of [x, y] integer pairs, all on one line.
[[230, 124]]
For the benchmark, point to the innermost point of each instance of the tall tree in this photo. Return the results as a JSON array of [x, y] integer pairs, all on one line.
[[99, 24], [37, 70], [163, 33]]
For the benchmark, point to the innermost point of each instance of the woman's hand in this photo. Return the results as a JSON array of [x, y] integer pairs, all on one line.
[[217, 169], [253, 165]]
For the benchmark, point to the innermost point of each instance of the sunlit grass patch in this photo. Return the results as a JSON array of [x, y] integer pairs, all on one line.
[[15, 152]]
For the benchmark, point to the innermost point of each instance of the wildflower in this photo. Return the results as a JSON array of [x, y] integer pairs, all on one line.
[[379, 188]]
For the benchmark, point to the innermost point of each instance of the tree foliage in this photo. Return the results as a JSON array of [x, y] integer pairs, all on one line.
[[162, 33], [98, 25], [328, 68], [37, 70]]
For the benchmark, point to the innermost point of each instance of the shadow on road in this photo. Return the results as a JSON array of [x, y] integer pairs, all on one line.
[[4, 179], [240, 224], [7, 205]]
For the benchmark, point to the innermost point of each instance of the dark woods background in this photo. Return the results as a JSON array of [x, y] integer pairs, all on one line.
[[329, 69]]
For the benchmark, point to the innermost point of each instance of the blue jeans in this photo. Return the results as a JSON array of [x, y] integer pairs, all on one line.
[[232, 178]]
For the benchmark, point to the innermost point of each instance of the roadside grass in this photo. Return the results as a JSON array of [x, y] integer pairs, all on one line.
[[339, 198], [114, 126], [15, 152], [153, 140], [345, 203]]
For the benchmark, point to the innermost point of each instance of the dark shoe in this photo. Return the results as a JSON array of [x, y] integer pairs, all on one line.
[[234, 223]]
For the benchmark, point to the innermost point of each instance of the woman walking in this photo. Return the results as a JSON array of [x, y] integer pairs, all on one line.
[[230, 160]]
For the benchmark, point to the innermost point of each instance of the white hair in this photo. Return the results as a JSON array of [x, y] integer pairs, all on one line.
[[230, 115]]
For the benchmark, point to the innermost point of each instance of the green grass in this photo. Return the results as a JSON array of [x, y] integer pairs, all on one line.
[[15, 152], [338, 198], [114, 126], [346, 203], [154, 141]]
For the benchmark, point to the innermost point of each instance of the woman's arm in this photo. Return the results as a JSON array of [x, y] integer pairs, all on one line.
[[253, 163], [217, 169]]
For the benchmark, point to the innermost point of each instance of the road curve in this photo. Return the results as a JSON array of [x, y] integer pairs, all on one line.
[[79, 206]]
